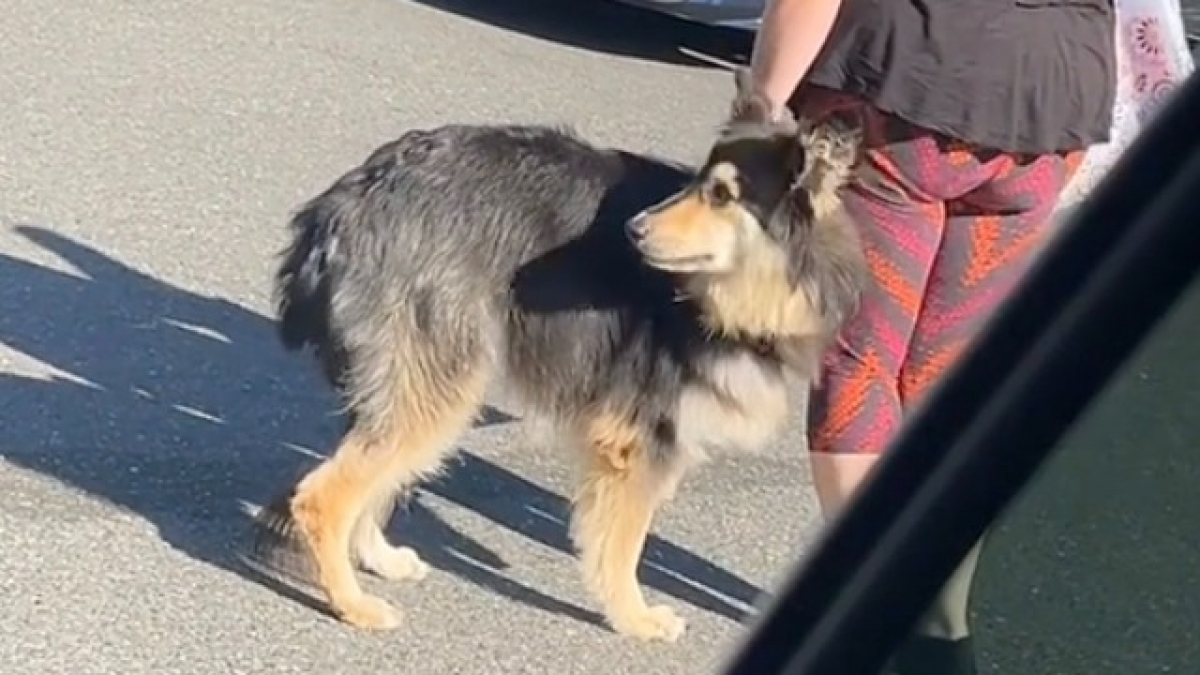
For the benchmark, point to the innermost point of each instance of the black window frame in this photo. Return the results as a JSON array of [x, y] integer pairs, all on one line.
[[1120, 264]]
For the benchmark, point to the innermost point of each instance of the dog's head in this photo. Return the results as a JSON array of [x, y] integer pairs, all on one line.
[[761, 220]]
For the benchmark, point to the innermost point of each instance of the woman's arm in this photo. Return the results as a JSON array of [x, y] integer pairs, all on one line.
[[791, 35]]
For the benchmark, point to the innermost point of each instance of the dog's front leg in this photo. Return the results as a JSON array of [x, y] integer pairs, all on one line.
[[621, 489]]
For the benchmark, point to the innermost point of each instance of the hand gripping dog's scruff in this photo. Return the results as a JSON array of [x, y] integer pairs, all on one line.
[[653, 312]]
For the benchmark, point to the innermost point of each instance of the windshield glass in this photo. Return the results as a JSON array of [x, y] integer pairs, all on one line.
[[1096, 568]]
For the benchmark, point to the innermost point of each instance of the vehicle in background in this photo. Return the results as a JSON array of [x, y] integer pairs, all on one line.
[[738, 14], [746, 14]]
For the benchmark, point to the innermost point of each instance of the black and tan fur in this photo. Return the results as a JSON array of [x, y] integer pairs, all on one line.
[[653, 312]]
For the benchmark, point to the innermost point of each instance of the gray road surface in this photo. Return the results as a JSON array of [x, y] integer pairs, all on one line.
[[150, 151]]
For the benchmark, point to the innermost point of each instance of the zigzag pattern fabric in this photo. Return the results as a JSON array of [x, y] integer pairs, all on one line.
[[948, 230]]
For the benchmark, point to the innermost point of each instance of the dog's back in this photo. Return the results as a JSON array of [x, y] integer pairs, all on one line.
[[450, 225]]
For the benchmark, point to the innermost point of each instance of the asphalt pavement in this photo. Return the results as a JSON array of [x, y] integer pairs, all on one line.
[[150, 152]]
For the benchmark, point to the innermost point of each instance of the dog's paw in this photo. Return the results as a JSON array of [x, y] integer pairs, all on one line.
[[368, 612], [657, 624], [396, 563]]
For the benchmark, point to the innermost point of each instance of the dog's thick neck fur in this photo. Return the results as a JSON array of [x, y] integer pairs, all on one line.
[[754, 303]]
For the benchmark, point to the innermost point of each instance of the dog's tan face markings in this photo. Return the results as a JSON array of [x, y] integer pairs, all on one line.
[[762, 234], [792, 182], [722, 183], [702, 229]]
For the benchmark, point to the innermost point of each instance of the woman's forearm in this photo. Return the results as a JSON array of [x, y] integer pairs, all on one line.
[[791, 35]]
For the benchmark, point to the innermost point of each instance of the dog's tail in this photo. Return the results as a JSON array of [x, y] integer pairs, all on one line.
[[302, 282]]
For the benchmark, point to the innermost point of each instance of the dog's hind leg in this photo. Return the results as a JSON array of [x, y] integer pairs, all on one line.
[[336, 507], [376, 554], [622, 487]]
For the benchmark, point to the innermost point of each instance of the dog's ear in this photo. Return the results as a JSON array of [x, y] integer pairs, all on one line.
[[812, 220], [837, 139], [832, 149], [749, 105]]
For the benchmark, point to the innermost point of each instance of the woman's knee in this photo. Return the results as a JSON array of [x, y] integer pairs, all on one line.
[[855, 408]]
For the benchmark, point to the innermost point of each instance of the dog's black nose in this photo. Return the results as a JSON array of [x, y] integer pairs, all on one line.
[[636, 227]]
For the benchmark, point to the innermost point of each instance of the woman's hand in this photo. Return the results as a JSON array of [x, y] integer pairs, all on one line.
[[792, 34]]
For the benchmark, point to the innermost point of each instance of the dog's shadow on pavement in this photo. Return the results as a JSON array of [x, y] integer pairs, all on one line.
[[183, 409]]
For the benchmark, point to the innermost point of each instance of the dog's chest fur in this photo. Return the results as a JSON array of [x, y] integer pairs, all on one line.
[[740, 402]]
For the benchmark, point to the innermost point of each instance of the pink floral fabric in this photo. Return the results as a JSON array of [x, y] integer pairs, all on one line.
[[1154, 67], [1152, 59]]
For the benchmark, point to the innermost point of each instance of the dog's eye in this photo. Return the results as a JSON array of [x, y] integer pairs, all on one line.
[[721, 194]]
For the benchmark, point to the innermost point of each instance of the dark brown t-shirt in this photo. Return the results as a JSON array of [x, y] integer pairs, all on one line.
[[1033, 76]]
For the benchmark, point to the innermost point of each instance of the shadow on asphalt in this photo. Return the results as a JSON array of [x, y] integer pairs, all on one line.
[[182, 408], [606, 26]]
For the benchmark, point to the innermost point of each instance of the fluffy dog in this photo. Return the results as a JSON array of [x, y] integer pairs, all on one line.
[[652, 311]]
